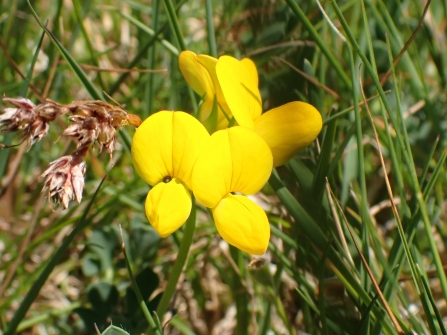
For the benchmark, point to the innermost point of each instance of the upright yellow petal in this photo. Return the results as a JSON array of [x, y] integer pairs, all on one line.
[[289, 128], [167, 144], [195, 74], [209, 63], [233, 160], [242, 223], [199, 79], [239, 83], [252, 72], [168, 206]]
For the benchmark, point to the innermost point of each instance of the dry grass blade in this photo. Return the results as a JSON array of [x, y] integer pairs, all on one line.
[[370, 274], [382, 160], [373, 280], [117, 70], [19, 72], [280, 45], [407, 44], [312, 80]]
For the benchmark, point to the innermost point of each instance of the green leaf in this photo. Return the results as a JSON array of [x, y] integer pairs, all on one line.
[[103, 297], [112, 330]]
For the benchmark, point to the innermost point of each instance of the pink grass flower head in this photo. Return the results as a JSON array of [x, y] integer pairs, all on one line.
[[64, 178], [31, 120]]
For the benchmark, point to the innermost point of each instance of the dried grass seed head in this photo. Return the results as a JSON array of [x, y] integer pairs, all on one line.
[[64, 179], [18, 118], [31, 120]]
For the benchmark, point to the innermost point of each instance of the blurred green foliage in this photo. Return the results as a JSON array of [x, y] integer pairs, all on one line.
[[313, 279]]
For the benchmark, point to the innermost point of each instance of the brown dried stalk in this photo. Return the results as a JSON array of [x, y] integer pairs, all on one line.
[[93, 121]]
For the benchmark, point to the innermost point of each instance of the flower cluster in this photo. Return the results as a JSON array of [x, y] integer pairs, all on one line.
[[219, 163], [92, 122]]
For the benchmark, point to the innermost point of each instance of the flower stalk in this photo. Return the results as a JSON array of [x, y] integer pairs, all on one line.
[[179, 264]]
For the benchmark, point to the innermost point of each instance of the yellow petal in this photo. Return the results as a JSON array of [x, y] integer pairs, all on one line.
[[209, 63], [239, 83], [167, 144], [289, 128], [199, 72], [199, 79], [233, 160], [168, 206], [195, 74], [242, 223], [252, 72]]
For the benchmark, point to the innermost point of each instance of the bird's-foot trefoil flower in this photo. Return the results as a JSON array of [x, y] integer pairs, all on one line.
[[286, 129], [174, 153], [164, 150], [235, 160]]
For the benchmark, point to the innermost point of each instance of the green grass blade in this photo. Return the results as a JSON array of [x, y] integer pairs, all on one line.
[[432, 302], [37, 285], [152, 55], [166, 44], [82, 76], [175, 24], [78, 14], [320, 42], [210, 29]]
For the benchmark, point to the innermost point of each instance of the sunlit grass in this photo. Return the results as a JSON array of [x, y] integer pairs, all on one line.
[[340, 58]]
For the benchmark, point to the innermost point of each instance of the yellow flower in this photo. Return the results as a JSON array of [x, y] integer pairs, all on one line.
[[174, 153], [286, 129], [235, 160], [164, 150]]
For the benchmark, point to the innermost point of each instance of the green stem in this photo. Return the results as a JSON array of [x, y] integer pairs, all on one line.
[[155, 328], [151, 64], [173, 17], [35, 289], [182, 255], [210, 28], [175, 25]]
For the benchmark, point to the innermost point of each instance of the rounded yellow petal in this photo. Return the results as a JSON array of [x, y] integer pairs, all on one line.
[[195, 74], [199, 72], [242, 223], [252, 71], [289, 128], [168, 206], [167, 144], [233, 160], [239, 83]]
